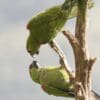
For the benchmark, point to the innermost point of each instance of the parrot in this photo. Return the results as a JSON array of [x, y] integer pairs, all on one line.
[[45, 26], [54, 81]]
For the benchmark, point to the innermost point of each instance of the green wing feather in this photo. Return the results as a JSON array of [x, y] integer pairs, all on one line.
[[55, 77], [45, 26], [57, 92]]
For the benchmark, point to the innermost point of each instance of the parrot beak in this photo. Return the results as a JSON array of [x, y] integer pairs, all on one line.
[[31, 54], [37, 52], [34, 55], [34, 64]]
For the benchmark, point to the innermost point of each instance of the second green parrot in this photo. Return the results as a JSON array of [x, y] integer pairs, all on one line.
[[54, 81], [44, 27]]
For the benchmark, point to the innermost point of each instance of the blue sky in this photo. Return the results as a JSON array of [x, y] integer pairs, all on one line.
[[15, 82]]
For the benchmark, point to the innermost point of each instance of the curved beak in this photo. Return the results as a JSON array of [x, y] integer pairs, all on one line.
[[34, 64]]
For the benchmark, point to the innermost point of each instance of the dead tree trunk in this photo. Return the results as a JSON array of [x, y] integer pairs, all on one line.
[[83, 61]]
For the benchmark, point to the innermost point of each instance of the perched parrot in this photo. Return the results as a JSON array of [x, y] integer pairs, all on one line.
[[54, 81], [44, 27]]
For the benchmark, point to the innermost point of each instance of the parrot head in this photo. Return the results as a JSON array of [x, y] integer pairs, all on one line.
[[34, 71], [32, 46]]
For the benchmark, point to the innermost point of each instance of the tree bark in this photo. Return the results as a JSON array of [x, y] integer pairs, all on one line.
[[82, 59]]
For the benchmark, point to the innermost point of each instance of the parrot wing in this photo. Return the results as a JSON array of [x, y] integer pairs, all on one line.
[[55, 77], [47, 24], [57, 92]]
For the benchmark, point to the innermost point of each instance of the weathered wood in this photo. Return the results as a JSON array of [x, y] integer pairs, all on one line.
[[83, 62], [82, 59]]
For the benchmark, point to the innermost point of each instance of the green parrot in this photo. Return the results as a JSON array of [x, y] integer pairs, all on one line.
[[54, 81], [44, 27]]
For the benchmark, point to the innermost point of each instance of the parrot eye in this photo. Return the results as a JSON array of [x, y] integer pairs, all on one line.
[[29, 51], [31, 66]]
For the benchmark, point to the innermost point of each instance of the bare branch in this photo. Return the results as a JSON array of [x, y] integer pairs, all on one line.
[[74, 43], [91, 62], [63, 60], [72, 39], [82, 59], [80, 87]]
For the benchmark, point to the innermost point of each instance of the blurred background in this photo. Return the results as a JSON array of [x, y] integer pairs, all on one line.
[[15, 82]]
